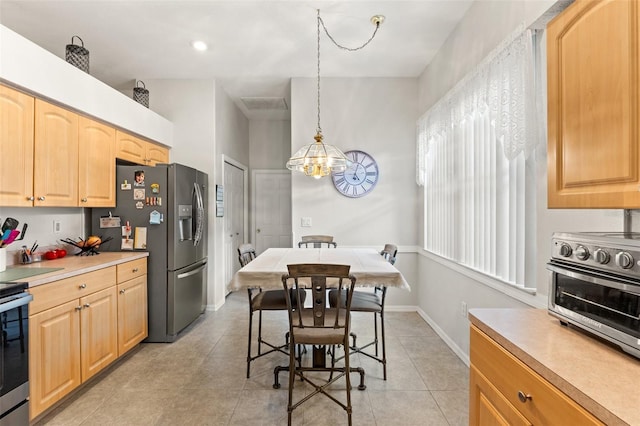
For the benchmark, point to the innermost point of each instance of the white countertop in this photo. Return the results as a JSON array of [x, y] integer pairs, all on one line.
[[75, 265]]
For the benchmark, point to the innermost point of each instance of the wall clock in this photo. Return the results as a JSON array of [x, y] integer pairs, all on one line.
[[359, 179]]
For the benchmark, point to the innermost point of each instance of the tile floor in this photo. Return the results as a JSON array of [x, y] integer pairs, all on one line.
[[201, 380]]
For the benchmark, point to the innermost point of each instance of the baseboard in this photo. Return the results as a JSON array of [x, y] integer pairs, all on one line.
[[455, 348]]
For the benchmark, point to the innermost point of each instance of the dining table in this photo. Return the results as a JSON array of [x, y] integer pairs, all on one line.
[[368, 267]]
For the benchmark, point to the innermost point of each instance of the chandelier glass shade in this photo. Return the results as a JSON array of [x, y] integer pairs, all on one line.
[[319, 159]]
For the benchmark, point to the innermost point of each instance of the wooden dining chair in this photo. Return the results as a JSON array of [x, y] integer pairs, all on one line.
[[259, 300], [372, 302], [317, 241], [318, 325]]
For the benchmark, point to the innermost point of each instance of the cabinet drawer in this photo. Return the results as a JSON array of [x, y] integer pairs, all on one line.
[[53, 294], [133, 269], [510, 376]]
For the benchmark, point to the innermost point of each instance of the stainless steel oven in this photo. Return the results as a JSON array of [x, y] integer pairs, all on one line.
[[14, 354], [595, 285]]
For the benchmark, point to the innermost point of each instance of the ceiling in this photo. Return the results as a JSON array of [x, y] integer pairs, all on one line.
[[255, 47]]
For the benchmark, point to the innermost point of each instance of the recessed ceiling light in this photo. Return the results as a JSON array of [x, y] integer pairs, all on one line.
[[199, 45]]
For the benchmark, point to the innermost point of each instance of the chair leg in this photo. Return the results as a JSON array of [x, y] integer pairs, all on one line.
[[249, 344], [384, 346], [292, 374], [347, 378], [375, 330], [260, 333]]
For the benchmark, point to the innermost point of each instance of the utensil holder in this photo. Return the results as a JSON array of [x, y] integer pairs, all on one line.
[[141, 94], [77, 56], [3, 259]]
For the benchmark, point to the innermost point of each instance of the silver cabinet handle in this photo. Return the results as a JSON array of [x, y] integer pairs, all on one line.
[[84, 200], [78, 308], [134, 270], [31, 198], [523, 397], [81, 286], [87, 305], [40, 198], [122, 291]]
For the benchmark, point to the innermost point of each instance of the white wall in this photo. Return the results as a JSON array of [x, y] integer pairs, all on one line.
[[28, 66], [375, 115], [232, 142], [443, 286], [190, 105], [270, 144]]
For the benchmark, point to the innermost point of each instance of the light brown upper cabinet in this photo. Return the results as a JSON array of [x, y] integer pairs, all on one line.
[[594, 105], [16, 148], [140, 151], [55, 171], [97, 165]]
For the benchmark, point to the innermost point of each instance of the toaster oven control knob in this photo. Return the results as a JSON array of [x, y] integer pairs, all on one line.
[[602, 257], [582, 252], [565, 250], [624, 260]]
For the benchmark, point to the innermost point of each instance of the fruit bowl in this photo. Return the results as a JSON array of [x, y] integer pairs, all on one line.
[[87, 247]]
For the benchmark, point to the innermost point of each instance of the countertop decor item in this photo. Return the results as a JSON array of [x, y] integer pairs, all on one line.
[[87, 247], [141, 94], [78, 56], [319, 159]]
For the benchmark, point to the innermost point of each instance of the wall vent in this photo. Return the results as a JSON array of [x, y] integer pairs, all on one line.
[[264, 103]]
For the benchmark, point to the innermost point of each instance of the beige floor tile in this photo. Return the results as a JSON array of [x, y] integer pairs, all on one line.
[[407, 408], [200, 379]]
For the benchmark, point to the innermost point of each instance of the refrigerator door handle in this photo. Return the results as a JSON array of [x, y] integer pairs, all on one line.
[[199, 213], [192, 272]]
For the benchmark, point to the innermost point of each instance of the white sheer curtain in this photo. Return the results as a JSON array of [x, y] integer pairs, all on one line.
[[473, 147]]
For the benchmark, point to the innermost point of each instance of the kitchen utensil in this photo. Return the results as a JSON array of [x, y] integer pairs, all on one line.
[[5, 235], [12, 236], [10, 224], [24, 231]]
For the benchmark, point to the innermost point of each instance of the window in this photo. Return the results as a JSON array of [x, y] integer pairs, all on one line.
[[474, 161]]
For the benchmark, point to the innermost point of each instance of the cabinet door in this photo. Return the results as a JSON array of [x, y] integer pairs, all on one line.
[[132, 313], [96, 164], [98, 328], [130, 148], [16, 146], [54, 355], [487, 406], [56, 156], [593, 106], [156, 154]]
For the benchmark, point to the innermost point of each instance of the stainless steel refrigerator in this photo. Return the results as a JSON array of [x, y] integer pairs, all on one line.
[[162, 210]]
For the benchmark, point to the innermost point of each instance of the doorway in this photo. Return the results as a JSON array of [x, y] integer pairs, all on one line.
[[235, 214], [272, 209]]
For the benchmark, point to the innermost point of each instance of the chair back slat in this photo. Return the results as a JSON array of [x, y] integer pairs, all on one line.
[[319, 277], [317, 241], [246, 253], [389, 252]]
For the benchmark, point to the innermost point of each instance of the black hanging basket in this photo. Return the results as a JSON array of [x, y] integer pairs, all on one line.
[[78, 56], [141, 94]]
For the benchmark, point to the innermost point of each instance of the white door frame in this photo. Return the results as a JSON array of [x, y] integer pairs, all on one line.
[[245, 172]]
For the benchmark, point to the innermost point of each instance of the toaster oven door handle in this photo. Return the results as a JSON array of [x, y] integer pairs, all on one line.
[[619, 283]]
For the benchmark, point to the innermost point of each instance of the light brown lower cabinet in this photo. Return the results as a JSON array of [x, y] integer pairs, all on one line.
[[505, 391], [76, 329]]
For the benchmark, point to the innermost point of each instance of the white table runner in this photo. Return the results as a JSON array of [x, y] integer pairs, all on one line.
[[369, 268]]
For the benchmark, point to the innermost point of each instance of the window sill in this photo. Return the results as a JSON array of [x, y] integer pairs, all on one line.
[[523, 294]]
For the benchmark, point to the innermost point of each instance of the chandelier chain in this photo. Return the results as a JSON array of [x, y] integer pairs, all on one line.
[[350, 49], [319, 129]]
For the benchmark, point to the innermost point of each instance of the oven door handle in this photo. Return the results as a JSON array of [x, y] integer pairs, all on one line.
[[16, 302], [619, 284]]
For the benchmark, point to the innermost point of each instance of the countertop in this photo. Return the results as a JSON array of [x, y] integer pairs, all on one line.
[[598, 376], [76, 265]]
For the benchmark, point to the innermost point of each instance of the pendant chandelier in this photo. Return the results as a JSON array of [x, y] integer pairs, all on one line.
[[319, 159]]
